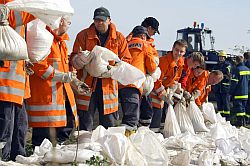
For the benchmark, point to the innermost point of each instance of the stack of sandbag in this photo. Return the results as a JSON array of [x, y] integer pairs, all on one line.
[[106, 64], [39, 40], [48, 11], [12, 45]]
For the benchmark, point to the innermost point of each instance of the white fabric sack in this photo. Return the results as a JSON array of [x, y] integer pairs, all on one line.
[[100, 61], [128, 74], [156, 74], [182, 159], [147, 143], [196, 117], [208, 112], [171, 126], [39, 40], [12, 45], [148, 85], [48, 11], [183, 118]]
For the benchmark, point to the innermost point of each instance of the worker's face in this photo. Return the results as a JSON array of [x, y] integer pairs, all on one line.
[[221, 58], [192, 64], [178, 51], [64, 25], [102, 25], [214, 79], [151, 31], [198, 71]]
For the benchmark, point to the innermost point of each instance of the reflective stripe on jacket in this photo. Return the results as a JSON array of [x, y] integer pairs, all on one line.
[[12, 73], [46, 107], [116, 42]]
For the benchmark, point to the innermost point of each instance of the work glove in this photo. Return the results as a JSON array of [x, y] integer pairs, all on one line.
[[28, 69], [64, 77], [167, 97], [81, 59], [196, 94], [186, 95], [80, 87]]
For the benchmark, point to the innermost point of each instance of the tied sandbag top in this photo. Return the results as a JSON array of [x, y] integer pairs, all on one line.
[[4, 13]]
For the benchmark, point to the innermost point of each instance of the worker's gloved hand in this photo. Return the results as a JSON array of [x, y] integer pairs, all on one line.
[[28, 66], [196, 94], [186, 95], [111, 68], [174, 87], [81, 59], [167, 97], [177, 97], [80, 87], [64, 77]]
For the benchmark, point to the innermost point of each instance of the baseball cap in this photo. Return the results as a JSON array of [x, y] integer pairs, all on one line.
[[101, 13], [138, 30], [151, 21]]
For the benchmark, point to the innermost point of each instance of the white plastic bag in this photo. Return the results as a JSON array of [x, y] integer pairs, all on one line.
[[171, 126], [48, 11], [148, 85], [208, 112], [100, 61], [157, 74], [12, 45], [147, 143], [183, 118], [196, 117], [39, 40]]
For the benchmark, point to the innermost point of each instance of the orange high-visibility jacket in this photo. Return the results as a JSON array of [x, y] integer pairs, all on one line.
[[142, 57], [116, 42], [198, 83], [46, 107], [170, 72], [12, 74]]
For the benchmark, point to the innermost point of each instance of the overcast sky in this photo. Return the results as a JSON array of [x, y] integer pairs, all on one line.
[[229, 19]]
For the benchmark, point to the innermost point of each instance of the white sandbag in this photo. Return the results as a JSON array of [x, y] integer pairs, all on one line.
[[100, 61], [171, 126], [196, 117], [156, 74], [147, 143], [128, 74], [182, 159], [39, 40], [12, 45], [148, 85], [48, 11], [208, 112], [206, 158], [183, 118]]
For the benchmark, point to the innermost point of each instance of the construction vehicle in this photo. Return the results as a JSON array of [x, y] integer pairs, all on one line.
[[200, 39]]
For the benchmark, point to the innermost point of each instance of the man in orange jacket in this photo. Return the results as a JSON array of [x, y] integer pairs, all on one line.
[[104, 95], [152, 25], [13, 117], [52, 103], [171, 66], [199, 84], [130, 95]]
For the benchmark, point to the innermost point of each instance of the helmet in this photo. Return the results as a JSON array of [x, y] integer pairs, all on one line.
[[222, 53]]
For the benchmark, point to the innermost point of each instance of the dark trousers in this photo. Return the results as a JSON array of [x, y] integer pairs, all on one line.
[[55, 135], [248, 109], [158, 119], [13, 129], [223, 103], [130, 104], [86, 118], [146, 110], [239, 107]]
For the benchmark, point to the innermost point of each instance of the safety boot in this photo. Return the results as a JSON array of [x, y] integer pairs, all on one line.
[[129, 132], [240, 121]]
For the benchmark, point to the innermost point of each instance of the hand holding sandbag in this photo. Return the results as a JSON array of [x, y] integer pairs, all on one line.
[[196, 93], [81, 59]]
